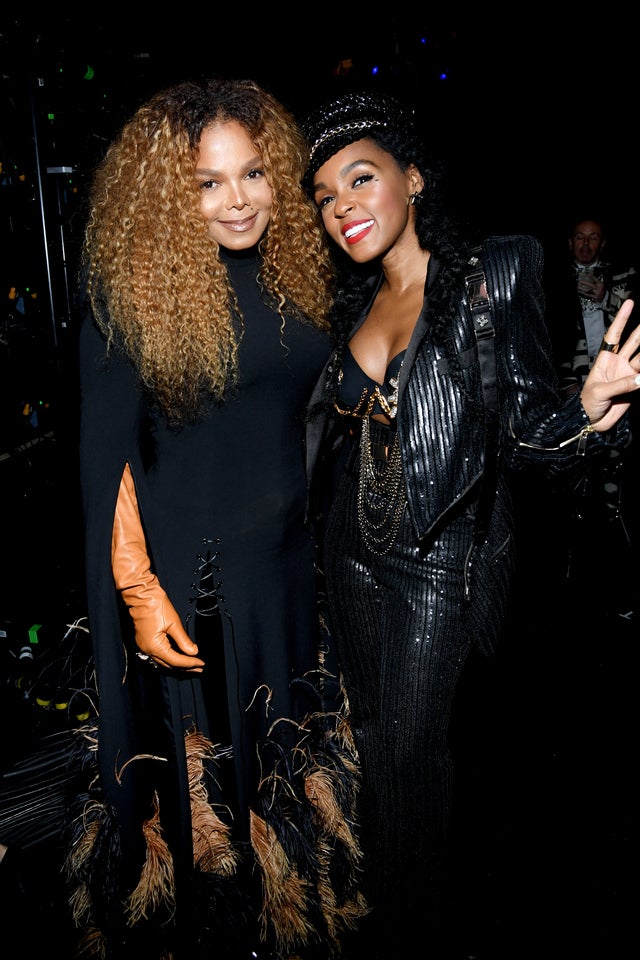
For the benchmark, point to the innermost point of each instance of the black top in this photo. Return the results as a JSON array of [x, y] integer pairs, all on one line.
[[360, 395]]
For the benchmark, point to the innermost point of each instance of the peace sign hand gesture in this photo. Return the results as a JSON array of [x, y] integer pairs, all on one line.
[[607, 392]]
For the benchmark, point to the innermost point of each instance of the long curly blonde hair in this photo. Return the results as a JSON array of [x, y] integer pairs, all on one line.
[[154, 277]]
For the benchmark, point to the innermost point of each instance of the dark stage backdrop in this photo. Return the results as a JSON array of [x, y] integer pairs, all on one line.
[[534, 120]]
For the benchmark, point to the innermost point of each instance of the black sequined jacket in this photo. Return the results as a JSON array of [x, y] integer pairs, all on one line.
[[441, 414]]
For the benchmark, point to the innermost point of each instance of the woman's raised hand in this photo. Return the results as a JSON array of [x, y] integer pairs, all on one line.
[[607, 393]]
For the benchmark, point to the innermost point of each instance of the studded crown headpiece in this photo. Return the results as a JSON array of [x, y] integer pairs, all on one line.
[[350, 117]]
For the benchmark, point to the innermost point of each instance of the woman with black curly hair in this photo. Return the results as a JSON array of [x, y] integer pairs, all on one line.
[[226, 772], [419, 417]]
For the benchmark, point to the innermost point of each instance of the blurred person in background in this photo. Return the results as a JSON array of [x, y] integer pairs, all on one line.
[[584, 290]]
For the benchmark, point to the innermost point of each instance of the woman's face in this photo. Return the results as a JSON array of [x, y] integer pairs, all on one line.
[[236, 198], [363, 197]]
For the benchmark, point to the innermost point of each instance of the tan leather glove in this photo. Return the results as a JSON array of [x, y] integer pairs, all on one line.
[[155, 619]]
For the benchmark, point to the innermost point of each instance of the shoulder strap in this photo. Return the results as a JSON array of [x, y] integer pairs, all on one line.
[[480, 306]]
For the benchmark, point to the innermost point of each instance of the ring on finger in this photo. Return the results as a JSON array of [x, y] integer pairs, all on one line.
[[147, 659], [608, 347]]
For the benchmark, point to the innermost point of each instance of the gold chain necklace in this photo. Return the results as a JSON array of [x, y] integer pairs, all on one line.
[[381, 494]]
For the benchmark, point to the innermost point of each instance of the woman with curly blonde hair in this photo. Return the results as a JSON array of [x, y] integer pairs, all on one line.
[[220, 819]]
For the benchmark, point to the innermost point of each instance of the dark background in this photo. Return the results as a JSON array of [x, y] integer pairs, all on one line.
[[534, 119], [536, 122]]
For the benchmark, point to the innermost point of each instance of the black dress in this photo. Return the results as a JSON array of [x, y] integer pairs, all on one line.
[[223, 504]]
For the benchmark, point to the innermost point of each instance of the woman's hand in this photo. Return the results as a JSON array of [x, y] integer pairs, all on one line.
[[157, 624], [607, 392], [159, 633]]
